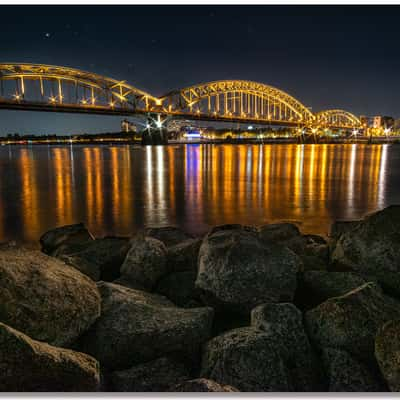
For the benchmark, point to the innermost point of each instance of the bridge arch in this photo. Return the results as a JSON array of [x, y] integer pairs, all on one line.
[[55, 86], [337, 118], [237, 99]]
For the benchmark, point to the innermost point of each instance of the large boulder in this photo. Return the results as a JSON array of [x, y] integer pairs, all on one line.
[[145, 262], [179, 287], [238, 272], [284, 324], [154, 376], [27, 365], [183, 256], [64, 235], [338, 228], [284, 233], [100, 259], [350, 322], [372, 248], [344, 373], [247, 359], [169, 235], [135, 327], [319, 286], [202, 385], [45, 298], [387, 353]]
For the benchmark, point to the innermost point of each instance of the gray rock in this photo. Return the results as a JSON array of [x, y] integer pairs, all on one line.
[[322, 285], [346, 374], [100, 258], [285, 234], [387, 350], [179, 288], [202, 385], [183, 256], [145, 262], [350, 322], [64, 235], [135, 327], [232, 227], [338, 228], [274, 233], [372, 248], [246, 359], [169, 235], [45, 298], [284, 324], [89, 269], [238, 272], [154, 376], [27, 365]]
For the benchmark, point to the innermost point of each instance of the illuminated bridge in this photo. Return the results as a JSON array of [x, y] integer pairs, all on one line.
[[37, 87]]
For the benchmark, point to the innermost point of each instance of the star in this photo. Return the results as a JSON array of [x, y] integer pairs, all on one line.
[[47, 34]]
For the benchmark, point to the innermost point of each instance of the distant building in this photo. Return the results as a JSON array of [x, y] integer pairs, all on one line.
[[383, 122], [127, 126]]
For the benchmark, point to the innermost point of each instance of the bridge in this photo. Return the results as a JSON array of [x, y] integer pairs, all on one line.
[[37, 87]]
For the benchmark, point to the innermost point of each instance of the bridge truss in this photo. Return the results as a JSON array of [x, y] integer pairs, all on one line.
[[62, 89]]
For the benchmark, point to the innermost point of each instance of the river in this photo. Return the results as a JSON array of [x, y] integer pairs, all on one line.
[[116, 190]]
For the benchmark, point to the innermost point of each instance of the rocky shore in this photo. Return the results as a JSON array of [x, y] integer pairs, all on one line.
[[248, 309]]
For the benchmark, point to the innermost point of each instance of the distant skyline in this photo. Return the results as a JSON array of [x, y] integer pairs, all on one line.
[[325, 56]]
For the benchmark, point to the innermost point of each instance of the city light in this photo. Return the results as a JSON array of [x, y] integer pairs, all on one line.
[[250, 127]]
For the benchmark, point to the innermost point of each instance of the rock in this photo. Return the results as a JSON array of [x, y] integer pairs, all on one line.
[[179, 288], [284, 324], [372, 248], [27, 365], [45, 298], [202, 385], [322, 285], [238, 272], [275, 233], [100, 259], [89, 269], [232, 227], [346, 374], [63, 235], [387, 350], [350, 322], [154, 376], [145, 262], [315, 239], [169, 235], [313, 263], [183, 256], [338, 228], [285, 234], [246, 359], [136, 327]]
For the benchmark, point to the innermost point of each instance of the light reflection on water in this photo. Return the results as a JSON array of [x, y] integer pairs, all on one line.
[[117, 190]]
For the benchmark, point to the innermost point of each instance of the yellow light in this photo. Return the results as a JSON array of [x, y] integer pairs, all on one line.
[[17, 96], [111, 104], [84, 101], [52, 99]]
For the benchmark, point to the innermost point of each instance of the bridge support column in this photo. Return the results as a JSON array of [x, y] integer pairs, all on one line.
[[155, 132]]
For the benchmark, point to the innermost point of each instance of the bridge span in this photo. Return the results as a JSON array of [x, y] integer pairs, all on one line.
[[37, 87]]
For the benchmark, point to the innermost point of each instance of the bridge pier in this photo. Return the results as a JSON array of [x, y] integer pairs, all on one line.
[[155, 132]]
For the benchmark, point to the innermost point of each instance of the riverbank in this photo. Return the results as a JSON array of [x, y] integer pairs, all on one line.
[[125, 139], [242, 308]]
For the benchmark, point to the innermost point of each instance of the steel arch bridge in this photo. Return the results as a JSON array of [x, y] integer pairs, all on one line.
[[41, 87], [337, 118]]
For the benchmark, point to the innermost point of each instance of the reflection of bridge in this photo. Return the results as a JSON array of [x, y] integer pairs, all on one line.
[[38, 87]]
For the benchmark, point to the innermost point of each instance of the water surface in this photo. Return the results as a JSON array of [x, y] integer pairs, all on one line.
[[119, 189]]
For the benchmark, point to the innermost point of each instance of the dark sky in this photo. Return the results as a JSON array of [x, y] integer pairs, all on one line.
[[326, 56]]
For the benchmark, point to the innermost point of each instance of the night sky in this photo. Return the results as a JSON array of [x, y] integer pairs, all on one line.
[[326, 56]]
